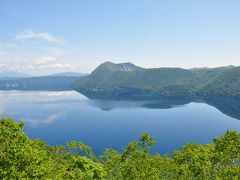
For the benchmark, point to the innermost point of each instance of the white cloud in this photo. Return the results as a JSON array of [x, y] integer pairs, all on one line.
[[7, 45], [50, 62], [47, 63], [30, 35], [3, 65]]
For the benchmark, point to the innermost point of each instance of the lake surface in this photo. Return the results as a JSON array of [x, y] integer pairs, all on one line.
[[59, 117]]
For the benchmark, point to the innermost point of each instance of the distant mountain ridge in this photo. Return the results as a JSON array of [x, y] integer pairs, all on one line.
[[52, 82], [128, 79], [67, 74], [12, 75]]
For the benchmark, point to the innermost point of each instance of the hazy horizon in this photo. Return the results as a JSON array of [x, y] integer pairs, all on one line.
[[55, 36], [59, 72]]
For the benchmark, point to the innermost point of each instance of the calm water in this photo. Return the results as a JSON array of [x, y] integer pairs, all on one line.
[[59, 117]]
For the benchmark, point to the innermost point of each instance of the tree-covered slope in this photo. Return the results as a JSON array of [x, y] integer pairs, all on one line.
[[109, 76], [128, 79], [226, 84], [23, 158], [206, 75]]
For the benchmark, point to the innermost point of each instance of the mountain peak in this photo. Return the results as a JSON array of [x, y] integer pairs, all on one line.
[[127, 66]]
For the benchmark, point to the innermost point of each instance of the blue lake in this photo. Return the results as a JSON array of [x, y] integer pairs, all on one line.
[[59, 117]]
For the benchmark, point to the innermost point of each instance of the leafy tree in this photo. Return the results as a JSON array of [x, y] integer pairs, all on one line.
[[22, 158]]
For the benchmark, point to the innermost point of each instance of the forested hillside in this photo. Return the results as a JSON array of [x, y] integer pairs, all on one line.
[[128, 79], [228, 83], [23, 158]]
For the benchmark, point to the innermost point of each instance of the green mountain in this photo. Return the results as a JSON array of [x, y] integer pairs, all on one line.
[[206, 75], [227, 83], [122, 67], [127, 79]]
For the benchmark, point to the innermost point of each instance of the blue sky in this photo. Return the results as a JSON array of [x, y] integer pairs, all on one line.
[[48, 36]]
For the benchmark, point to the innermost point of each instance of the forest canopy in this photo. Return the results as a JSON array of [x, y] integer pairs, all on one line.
[[21, 157]]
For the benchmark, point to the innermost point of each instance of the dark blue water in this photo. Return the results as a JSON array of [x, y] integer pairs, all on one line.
[[59, 117]]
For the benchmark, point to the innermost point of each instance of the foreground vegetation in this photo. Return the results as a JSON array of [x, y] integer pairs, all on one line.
[[21, 157]]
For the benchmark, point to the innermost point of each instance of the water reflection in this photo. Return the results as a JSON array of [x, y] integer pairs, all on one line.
[[227, 105], [60, 117], [48, 120]]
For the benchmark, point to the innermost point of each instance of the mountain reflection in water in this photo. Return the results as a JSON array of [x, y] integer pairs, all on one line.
[[227, 105]]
